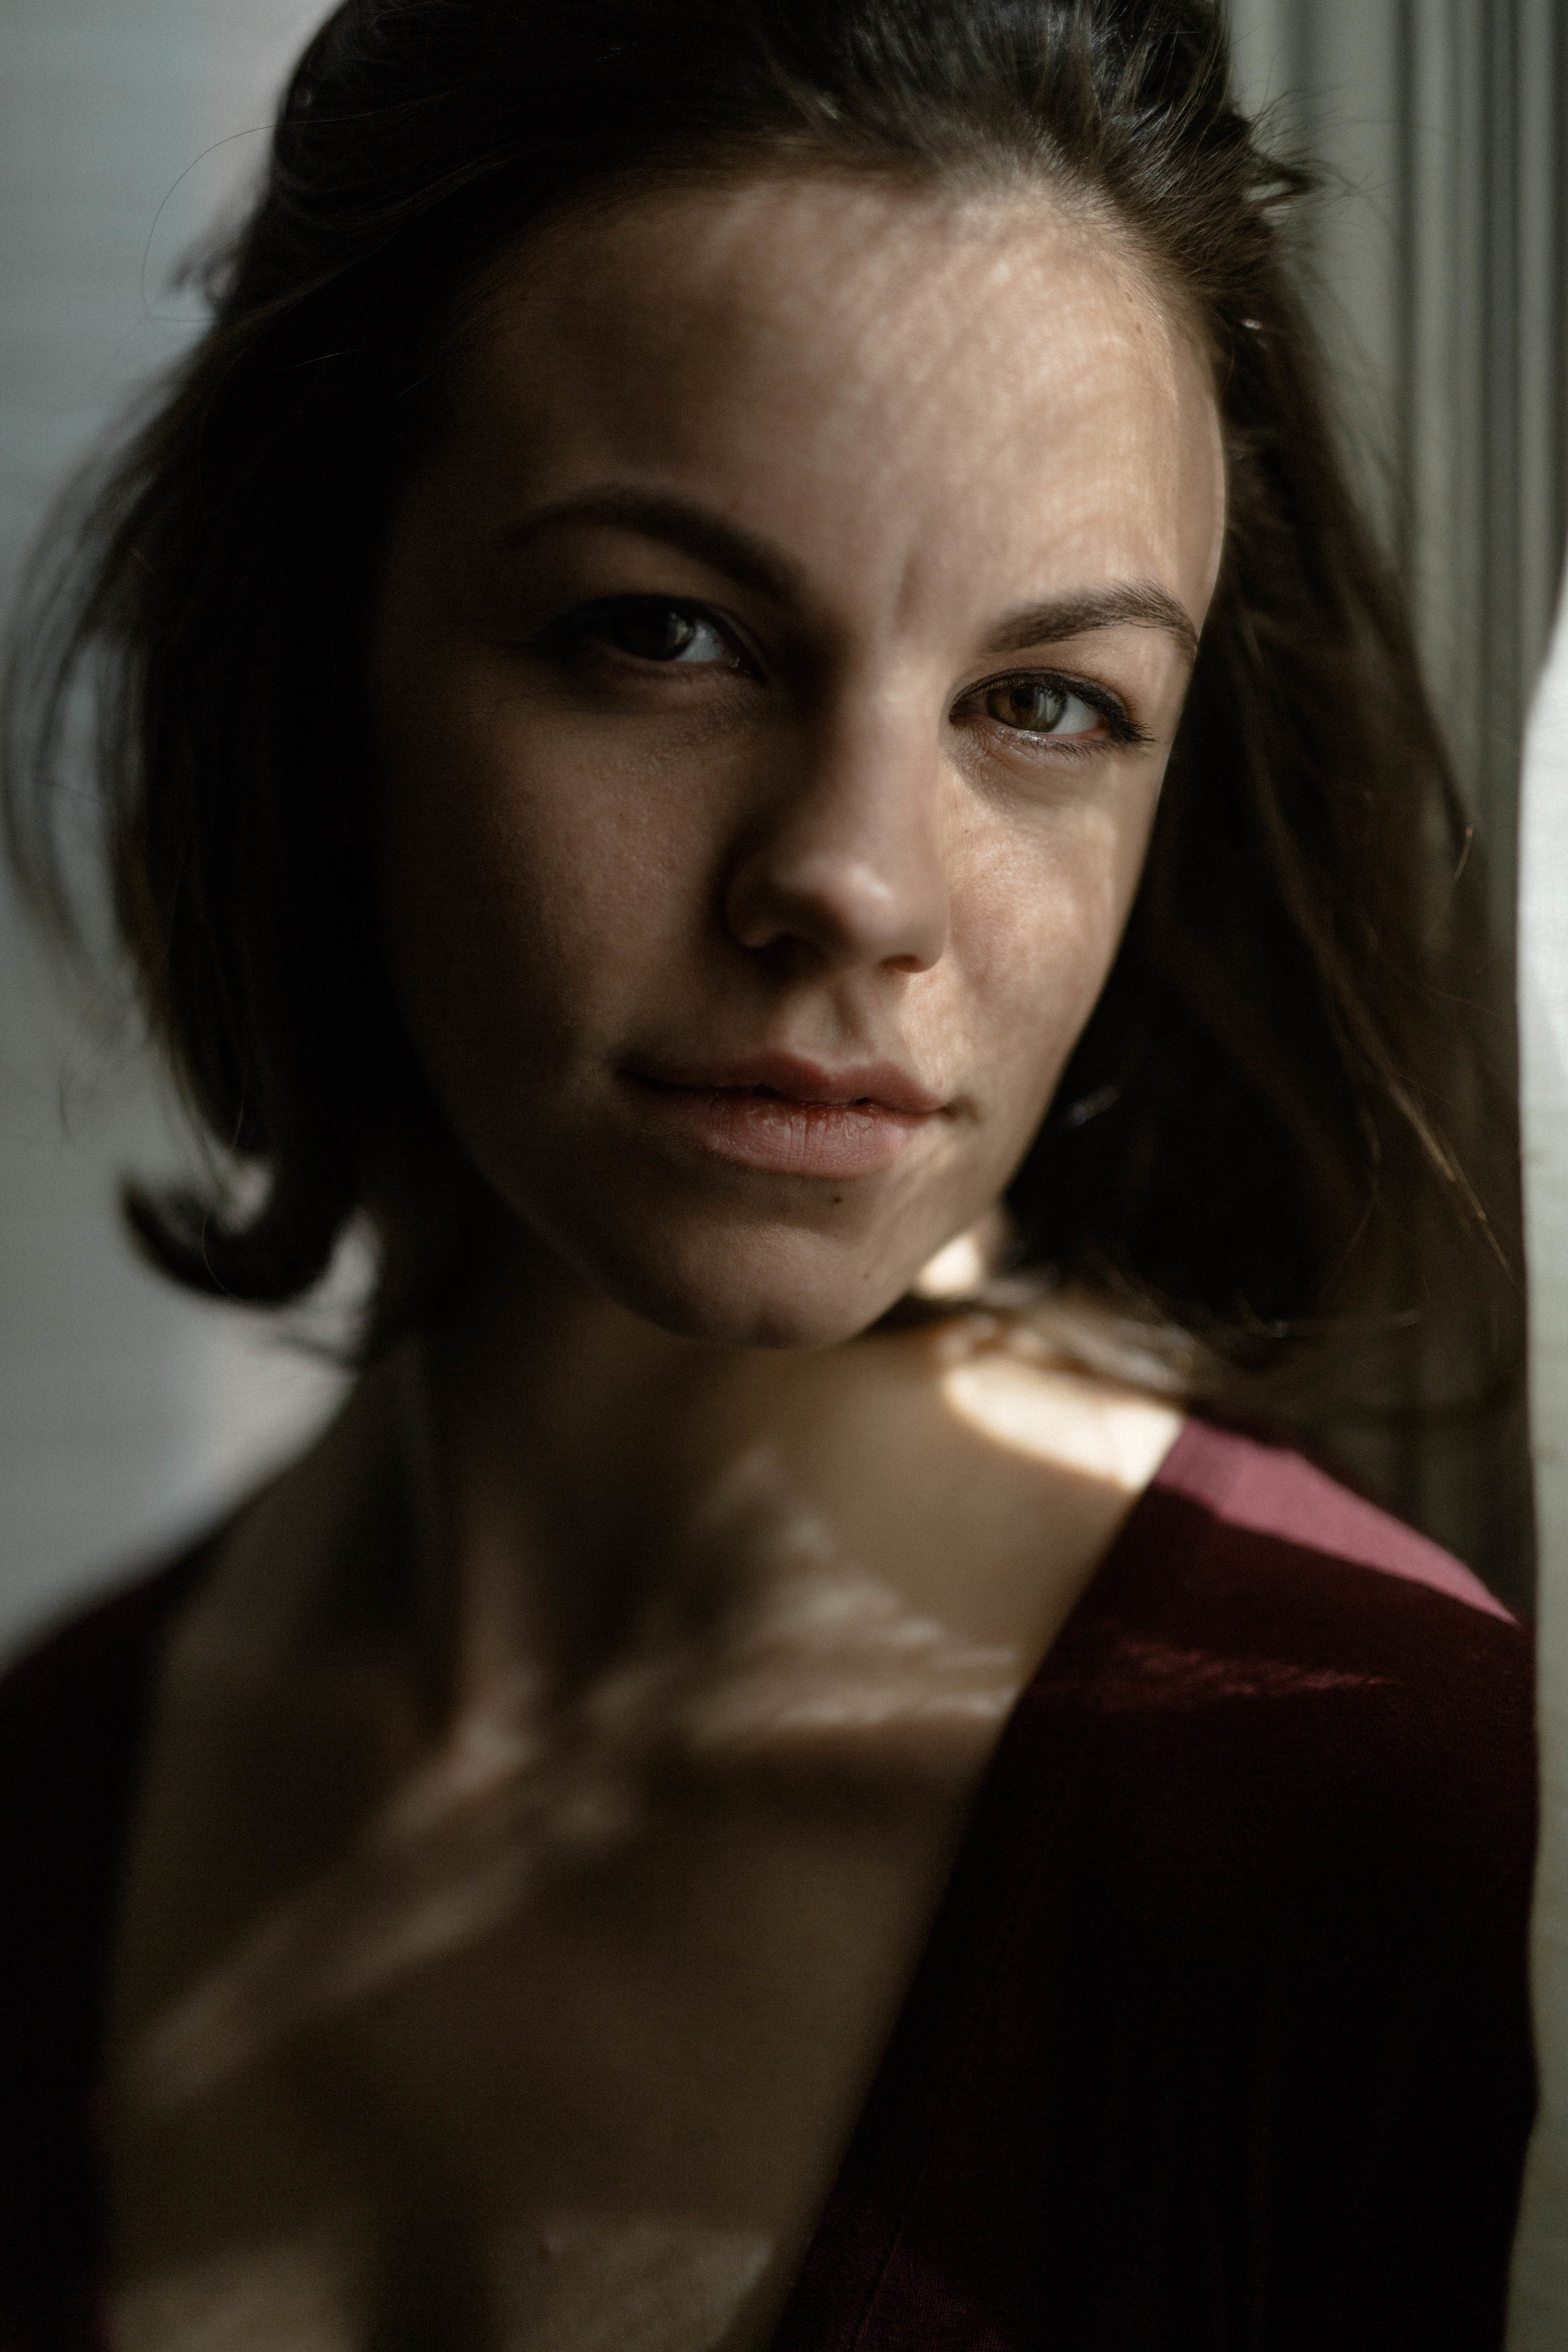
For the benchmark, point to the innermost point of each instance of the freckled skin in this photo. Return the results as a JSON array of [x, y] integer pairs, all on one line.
[[936, 412], [551, 1789]]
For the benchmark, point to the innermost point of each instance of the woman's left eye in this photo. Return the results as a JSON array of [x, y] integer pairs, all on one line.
[[1042, 707], [651, 630]]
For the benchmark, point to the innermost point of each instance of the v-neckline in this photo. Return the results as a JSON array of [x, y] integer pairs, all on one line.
[[861, 2215]]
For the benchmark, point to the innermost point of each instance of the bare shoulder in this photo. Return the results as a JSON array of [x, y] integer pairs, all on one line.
[[1024, 1396], [1033, 1398], [971, 1470]]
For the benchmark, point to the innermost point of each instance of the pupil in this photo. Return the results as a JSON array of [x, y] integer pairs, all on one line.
[[1032, 705], [656, 633], [1036, 708]]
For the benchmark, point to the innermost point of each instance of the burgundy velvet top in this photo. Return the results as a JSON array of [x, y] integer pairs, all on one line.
[[1220, 2041]]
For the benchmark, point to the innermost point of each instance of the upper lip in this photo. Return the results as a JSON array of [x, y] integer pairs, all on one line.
[[797, 1080]]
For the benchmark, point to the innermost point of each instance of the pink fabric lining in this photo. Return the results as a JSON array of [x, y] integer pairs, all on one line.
[[1276, 1492]]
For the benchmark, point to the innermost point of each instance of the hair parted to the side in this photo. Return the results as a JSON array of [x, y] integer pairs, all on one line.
[[1286, 1056]]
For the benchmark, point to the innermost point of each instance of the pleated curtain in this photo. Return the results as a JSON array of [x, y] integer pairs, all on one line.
[[1437, 262]]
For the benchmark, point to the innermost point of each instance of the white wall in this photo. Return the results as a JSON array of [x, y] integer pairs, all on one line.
[[128, 1413]]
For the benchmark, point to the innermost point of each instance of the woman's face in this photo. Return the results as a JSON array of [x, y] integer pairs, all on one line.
[[775, 663]]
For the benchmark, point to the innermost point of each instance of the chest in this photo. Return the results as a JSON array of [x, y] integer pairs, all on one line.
[[536, 2106]]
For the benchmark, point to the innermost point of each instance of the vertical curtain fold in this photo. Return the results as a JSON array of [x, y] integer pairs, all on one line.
[[1437, 264], [1439, 272]]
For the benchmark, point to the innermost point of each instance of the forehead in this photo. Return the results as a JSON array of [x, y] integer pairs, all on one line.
[[862, 357]]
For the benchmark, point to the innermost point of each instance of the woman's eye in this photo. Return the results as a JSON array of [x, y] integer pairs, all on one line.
[[1037, 706], [654, 632]]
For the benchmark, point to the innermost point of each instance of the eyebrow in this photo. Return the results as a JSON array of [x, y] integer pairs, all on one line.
[[1139, 605], [753, 563], [746, 560]]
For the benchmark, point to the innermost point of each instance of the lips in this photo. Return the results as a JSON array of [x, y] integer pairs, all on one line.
[[781, 1112]]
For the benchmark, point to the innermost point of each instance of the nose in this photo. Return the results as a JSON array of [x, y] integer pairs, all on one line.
[[845, 864]]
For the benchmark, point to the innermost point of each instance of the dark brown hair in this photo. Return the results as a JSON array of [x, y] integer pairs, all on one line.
[[1259, 1102]]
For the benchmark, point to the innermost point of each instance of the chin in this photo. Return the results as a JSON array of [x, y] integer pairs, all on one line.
[[779, 1290]]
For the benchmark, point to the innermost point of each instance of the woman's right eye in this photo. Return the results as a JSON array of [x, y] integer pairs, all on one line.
[[652, 629]]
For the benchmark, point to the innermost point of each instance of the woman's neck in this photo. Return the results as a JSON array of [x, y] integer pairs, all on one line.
[[564, 1454], [553, 1576], [581, 1480]]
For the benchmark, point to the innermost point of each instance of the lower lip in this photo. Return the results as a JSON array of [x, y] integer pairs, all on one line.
[[753, 1129]]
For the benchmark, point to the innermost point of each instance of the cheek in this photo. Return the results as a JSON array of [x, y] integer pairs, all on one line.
[[523, 878], [1036, 931]]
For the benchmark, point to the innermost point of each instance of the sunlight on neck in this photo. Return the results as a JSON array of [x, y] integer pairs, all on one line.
[[1062, 1418], [955, 1271]]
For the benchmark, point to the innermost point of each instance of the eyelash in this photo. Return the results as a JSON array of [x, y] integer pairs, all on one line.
[[570, 636], [1125, 731]]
